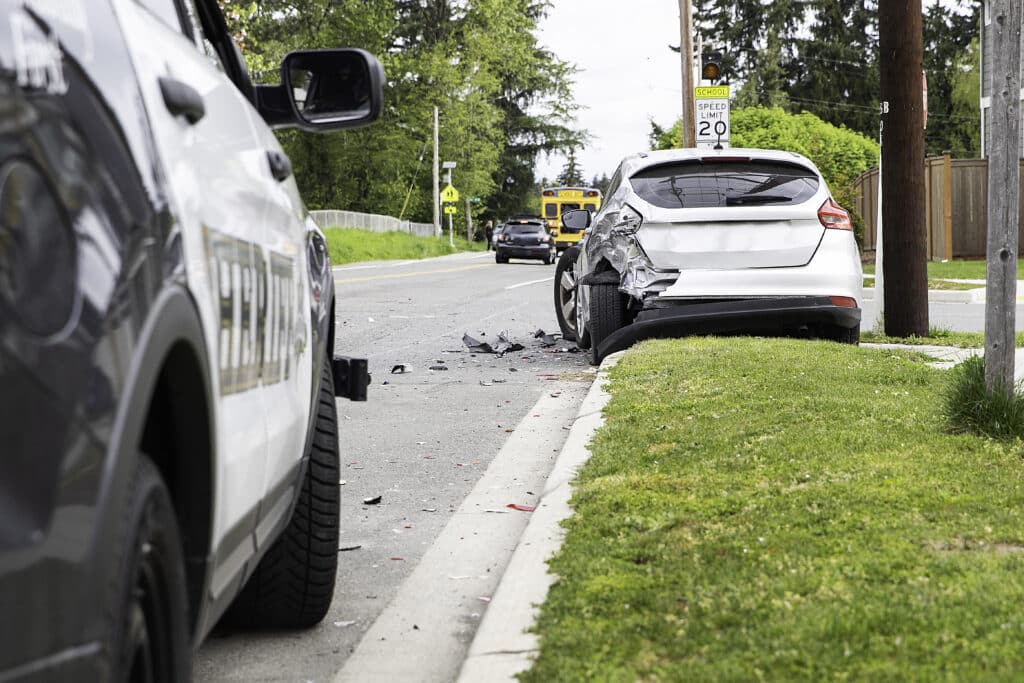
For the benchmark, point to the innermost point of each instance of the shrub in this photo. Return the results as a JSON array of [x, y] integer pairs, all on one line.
[[969, 407]]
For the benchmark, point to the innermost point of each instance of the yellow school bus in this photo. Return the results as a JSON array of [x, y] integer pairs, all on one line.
[[554, 201]]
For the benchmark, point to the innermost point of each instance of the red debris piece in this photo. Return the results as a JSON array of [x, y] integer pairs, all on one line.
[[396, 558], [521, 508]]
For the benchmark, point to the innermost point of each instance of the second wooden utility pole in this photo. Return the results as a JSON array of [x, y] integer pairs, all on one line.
[[1003, 195], [686, 56], [904, 237]]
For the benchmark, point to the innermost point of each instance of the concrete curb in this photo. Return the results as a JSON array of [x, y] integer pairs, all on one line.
[[502, 646], [944, 296]]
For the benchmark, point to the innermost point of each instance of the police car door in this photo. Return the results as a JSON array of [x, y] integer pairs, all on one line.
[[216, 172]]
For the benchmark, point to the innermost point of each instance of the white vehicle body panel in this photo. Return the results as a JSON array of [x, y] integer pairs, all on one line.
[[834, 271], [737, 237], [247, 232]]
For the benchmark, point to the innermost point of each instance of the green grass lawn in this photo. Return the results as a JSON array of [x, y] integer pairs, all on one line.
[[786, 510], [958, 270], [348, 245]]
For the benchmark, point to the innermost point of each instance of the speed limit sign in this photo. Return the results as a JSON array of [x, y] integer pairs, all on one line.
[[711, 105]]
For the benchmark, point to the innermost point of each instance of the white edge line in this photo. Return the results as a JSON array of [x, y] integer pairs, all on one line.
[[531, 282]]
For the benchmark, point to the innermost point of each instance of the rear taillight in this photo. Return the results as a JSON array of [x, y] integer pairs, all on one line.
[[843, 301], [833, 216]]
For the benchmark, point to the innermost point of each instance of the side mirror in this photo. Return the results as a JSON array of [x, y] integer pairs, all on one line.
[[325, 90], [576, 219]]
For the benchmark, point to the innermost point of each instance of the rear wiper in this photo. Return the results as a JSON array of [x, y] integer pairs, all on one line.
[[756, 199]]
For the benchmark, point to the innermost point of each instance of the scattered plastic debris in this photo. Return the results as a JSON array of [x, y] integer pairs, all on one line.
[[521, 508], [375, 500], [429, 509], [397, 559], [400, 369], [484, 598], [343, 624], [506, 345], [439, 367], [475, 345], [486, 384], [342, 482], [346, 548], [513, 370], [497, 511]]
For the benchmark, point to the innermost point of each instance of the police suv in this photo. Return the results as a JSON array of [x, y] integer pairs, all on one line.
[[168, 436]]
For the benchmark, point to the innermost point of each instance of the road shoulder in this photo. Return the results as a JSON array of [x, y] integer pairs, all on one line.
[[503, 647]]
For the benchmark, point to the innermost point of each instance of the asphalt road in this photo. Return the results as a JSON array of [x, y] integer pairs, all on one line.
[[422, 442]]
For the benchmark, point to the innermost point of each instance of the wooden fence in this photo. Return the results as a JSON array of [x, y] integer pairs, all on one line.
[[956, 207]]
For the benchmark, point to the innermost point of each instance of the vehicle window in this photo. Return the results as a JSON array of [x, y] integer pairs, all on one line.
[[165, 10], [526, 229], [569, 207], [202, 42], [692, 184], [590, 207], [551, 210]]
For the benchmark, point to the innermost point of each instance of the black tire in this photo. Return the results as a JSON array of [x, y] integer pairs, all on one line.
[[607, 314], [293, 586], [565, 293], [549, 259], [149, 634], [498, 258], [846, 335]]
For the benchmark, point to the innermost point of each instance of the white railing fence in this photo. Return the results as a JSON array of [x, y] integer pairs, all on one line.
[[370, 221]]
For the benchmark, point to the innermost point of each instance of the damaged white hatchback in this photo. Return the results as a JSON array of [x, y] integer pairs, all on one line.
[[693, 241]]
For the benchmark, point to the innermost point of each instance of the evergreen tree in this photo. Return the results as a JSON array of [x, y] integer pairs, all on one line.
[[948, 35], [571, 174]]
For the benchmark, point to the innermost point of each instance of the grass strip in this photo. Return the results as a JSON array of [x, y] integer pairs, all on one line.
[[349, 245], [959, 269], [786, 510], [937, 337]]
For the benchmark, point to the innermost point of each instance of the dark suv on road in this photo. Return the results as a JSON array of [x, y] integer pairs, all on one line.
[[168, 429], [525, 238]]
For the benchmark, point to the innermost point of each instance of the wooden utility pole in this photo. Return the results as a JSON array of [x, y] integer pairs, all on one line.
[[1003, 195], [437, 181], [905, 239], [686, 57]]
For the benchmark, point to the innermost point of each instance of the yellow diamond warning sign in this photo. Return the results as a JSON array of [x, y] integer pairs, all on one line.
[[449, 194]]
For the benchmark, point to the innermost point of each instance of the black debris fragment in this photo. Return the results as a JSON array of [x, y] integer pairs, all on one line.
[[375, 500], [506, 345], [438, 367], [346, 548], [547, 341], [400, 369], [539, 333], [475, 345]]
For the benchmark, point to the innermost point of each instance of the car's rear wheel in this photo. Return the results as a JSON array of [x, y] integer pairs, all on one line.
[[498, 258], [293, 586], [565, 293], [607, 314], [148, 640]]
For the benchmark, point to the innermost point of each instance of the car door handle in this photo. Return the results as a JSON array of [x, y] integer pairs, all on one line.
[[280, 165], [181, 99]]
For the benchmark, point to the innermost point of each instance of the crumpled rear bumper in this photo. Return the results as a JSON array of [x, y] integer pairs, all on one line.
[[764, 316]]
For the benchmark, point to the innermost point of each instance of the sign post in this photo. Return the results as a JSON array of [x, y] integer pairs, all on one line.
[[712, 116], [449, 195]]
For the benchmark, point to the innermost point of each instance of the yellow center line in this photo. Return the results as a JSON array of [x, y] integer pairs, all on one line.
[[402, 275]]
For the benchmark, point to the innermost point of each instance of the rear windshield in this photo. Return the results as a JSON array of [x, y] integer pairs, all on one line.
[[694, 184], [524, 229]]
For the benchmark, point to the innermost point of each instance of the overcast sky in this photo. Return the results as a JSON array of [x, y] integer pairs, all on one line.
[[627, 74]]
